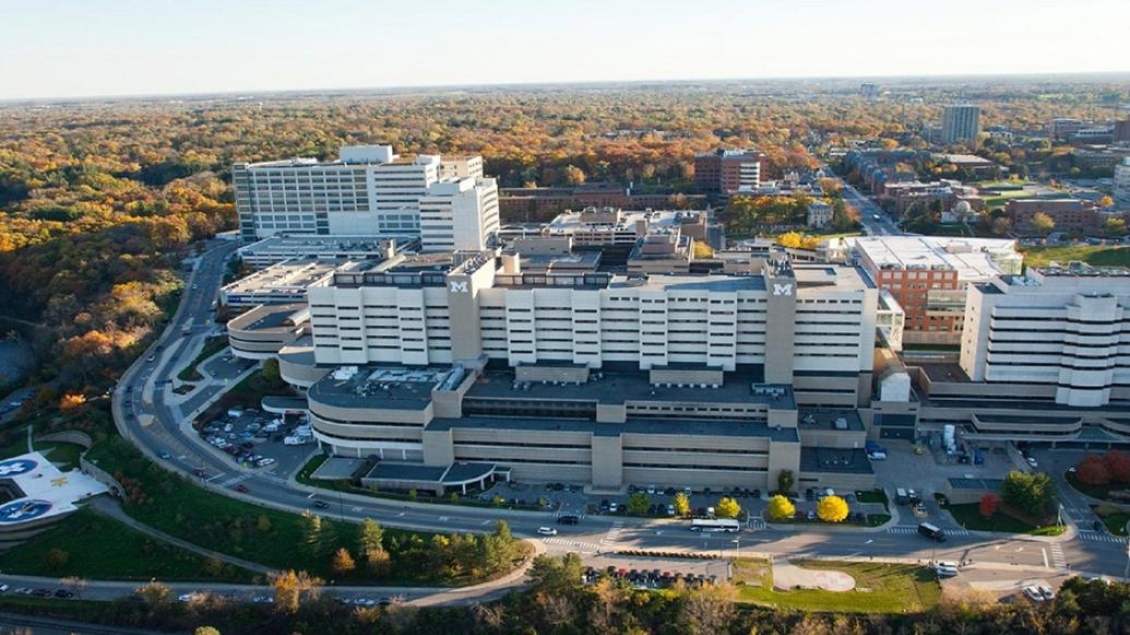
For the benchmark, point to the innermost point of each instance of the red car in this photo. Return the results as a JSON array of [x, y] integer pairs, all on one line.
[[242, 488]]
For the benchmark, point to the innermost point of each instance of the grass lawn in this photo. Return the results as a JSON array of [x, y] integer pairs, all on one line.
[[1098, 255], [969, 516], [212, 345], [880, 588], [266, 536], [871, 496], [101, 548], [1114, 519], [65, 455]]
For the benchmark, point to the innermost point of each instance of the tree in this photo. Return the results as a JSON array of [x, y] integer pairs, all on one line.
[[71, 401], [289, 586], [781, 508], [708, 609], [1030, 492], [271, 373], [1114, 227], [206, 630], [318, 537], [1043, 224], [682, 504], [1106, 201], [1092, 470], [572, 175], [370, 536], [791, 240], [832, 509], [378, 562], [638, 502], [727, 508], [785, 480], [343, 562], [1001, 226], [57, 558], [556, 575], [989, 504], [154, 593], [1118, 465]]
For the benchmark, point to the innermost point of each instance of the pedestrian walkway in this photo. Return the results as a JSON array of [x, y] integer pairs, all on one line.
[[756, 523], [110, 508], [914, 530], [1058, 559], [613, 533], [583, 547], [1098, 536]]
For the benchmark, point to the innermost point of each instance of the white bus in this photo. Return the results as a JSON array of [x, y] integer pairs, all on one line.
[[716, 524]]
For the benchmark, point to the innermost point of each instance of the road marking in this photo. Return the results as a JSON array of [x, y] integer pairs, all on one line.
[[572, 543], [486, 522], [1095, 536], [444, 519], [355, 509], [914, 530], [1045, 552], [867, 542], [1058, 557], [312, 495], [613, 532], [400, 515]]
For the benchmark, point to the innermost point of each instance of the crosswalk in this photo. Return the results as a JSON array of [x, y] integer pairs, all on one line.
[[914, 530], [756, 523], [1095, 536], [613, 533], [1058, 560], [583, 547], [238, 478]]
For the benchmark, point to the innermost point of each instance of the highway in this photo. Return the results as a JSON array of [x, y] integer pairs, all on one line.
[[144, 417]]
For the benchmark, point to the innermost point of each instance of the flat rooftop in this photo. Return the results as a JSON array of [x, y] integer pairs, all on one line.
[[610, 220], [44, 490], [271, 317], [618, 388], [835, 460], [291, 276], [951, 373], [819, 419], [393, 388], [672, 427], [308, 246], [974, 259]]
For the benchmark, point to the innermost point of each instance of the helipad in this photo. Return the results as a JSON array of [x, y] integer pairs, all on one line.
[[40, 491]]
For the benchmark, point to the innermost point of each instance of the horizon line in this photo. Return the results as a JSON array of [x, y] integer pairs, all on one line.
[[407, 88]]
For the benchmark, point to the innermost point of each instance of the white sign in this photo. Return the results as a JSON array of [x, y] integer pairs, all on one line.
[[782, 289], [459, 287]]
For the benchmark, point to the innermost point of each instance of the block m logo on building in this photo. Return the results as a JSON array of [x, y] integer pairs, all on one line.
[[782, 289], [459, 287]]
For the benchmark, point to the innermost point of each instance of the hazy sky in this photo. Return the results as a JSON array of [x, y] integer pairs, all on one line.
[[54, 48]]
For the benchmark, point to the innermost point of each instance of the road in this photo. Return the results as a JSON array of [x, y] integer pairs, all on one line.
[[154, 425], [877, 222]]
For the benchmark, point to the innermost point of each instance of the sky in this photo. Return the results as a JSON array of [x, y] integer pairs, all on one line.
[[74, 48]]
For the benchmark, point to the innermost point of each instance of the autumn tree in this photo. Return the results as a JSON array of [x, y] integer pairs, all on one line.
[[832, 509], [154, 593], [206, 630], [1043, 224], [727, 508], [682, 504], [370, 536], [1114, 227], [708, 609], [785, 481], [1118, 465], [572, 175], [989, 504], [343, 562], [781, 508], [289, 586], [378, 562], [71, 401], [57, 558], [1092, 470]]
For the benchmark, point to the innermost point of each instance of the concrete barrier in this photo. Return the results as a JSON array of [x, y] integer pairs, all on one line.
[[68, 436], [102, 476]]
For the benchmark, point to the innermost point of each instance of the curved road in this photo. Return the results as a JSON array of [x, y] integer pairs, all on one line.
[[143, 416]]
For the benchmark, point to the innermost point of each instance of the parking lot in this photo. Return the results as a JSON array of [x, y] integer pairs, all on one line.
[[258, 441]]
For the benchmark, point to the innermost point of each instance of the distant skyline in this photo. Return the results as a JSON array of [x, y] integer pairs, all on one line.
[[71, 48]]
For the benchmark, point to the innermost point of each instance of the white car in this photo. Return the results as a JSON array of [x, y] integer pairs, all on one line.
[[1033, 594], [547, 531], [1032, 462], [189, 597], [3, 588], [1047, 592]]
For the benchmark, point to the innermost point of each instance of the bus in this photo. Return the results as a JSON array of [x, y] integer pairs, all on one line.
[[715, 524]]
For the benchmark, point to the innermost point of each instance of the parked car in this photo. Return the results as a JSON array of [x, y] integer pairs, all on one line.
[[1047, 593], [64, 594], [547, 531], [1033, 594]]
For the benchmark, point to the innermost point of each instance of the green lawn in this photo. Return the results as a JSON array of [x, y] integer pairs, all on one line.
[[212, 345], [1098, 255], [1115, 519], [880, 588], [262, 535], [98, 547], [871, 496], [969, 516], [65, 455]]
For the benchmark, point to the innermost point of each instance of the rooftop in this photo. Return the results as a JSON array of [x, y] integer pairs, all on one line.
[[836, 460], [291, 276], [392, 388], [974, 259], [673, 427], [271, 317], [618, 388]]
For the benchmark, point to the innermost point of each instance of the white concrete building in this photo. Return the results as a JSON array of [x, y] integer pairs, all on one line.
[[1062, 328], [368, 191], [460, 215], [418, 311], [1122, 183]]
